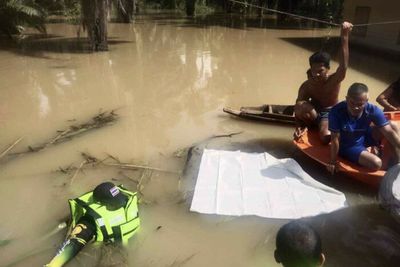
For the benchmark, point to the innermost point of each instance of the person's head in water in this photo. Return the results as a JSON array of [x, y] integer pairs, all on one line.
[[109, 195], [357, 98], [319, 65], [298, 245]]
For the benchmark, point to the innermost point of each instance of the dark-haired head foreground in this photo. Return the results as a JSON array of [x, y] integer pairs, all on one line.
[[298, 245]]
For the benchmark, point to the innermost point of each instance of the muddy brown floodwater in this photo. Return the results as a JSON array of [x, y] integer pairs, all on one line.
[[168, 78]]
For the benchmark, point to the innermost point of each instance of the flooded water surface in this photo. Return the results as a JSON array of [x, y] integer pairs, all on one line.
[[167, 79]]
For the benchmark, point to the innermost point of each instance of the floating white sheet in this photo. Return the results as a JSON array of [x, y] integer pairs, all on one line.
[[237, 183]]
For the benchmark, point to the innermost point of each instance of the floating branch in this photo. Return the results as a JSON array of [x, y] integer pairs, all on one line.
[[77, 170], [100, 120], [95, 162], [225, 135], [10, 147], [134, 166]]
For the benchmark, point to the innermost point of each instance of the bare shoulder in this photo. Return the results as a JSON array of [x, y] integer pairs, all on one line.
[[333, 79], [305, 86]]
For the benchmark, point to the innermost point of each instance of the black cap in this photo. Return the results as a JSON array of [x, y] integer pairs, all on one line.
[[109, 194]]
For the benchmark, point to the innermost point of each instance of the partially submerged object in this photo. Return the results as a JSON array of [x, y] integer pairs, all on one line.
[[311, 145], [267, 113]]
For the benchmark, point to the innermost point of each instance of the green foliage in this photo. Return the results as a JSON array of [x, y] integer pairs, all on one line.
[[322, 9], [72, 11], [203, 9], [15, 14]]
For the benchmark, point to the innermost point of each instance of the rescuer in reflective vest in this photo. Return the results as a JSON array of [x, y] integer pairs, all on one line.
[[109, 213]]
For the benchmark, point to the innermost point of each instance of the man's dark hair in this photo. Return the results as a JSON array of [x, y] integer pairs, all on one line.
[[298, 245], [357, 89], [320, 57]]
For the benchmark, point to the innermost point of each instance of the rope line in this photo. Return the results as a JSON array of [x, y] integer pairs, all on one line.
[[286, 13], [314, 19], [377, 23]]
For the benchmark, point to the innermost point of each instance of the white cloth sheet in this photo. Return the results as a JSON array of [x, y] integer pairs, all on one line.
[[237, 183]]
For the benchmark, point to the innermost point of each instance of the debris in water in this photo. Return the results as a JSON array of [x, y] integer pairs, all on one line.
[[100, 120], [89, 159], [10, 147]]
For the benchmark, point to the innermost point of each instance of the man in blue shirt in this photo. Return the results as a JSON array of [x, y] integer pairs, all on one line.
[[350, 124]]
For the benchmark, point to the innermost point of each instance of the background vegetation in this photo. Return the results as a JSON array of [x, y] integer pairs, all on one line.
[[93, 15]]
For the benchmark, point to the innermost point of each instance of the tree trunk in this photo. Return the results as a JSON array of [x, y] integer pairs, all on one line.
[[94, 20], [125, 10], [284, 6], [190, 7], [261, 10], [227, 6]]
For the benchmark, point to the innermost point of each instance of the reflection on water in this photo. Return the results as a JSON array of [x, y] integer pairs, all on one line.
[[44, 106], [203, 64], [168, 79]]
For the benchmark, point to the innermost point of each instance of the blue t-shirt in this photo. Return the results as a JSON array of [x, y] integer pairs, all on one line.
[[353, 131]]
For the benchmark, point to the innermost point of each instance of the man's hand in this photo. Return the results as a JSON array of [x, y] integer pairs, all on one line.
[[346, 28], [332, 168], [299, 132]]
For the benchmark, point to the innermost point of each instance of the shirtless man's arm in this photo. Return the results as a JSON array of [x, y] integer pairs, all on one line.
[[304, 112], [340, 73], [302, 98]]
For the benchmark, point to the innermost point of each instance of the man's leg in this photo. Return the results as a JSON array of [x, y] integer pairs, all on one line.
[[359, 155], [306, 113], [369, 160], [324, 133]]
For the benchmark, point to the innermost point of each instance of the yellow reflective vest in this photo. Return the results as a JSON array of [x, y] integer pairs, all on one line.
[[111, 226]]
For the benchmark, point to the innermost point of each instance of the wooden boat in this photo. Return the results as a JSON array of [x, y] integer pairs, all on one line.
[[310, 144], [267, 113]]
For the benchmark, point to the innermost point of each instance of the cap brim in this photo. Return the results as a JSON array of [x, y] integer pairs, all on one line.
[[119, 200]]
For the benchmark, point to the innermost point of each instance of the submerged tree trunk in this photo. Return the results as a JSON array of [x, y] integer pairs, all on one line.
[[125, 10], [190, 7], [284, 6], [260, 10], [94, 20]]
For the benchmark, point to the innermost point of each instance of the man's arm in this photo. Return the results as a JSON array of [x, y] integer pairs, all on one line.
[[340, 73], [302, 94], [83, 232], [334, 126], [302, 98], [383, 99], [299, 112], [332, 166], [392, 137]]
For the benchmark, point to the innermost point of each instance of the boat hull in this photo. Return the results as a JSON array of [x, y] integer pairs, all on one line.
[[267, 113], [310, 145]]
